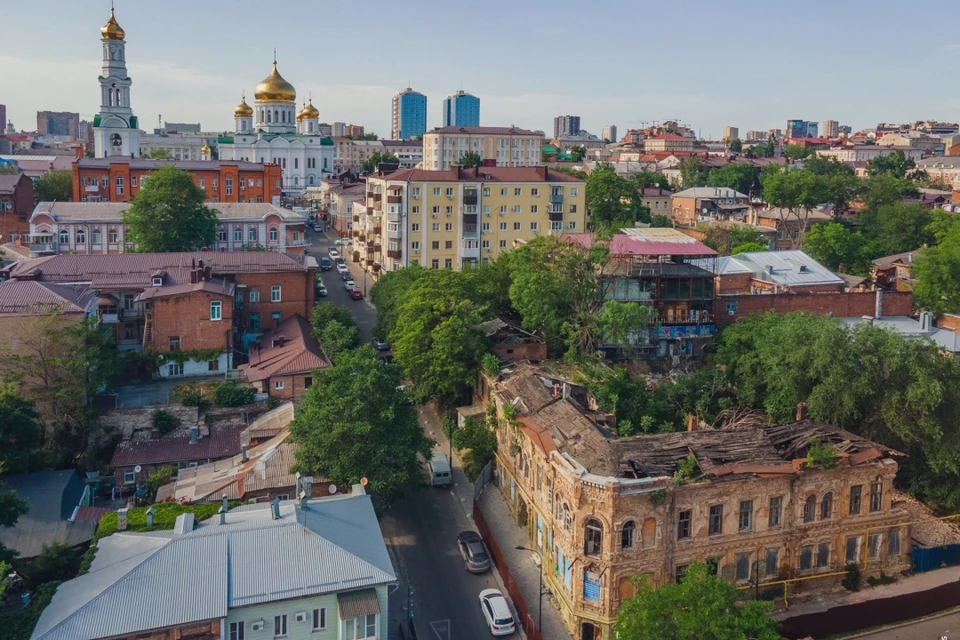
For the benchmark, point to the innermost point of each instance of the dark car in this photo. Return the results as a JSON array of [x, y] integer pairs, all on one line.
[[325, 263], [476, 558], [356, 294], [380, 345]]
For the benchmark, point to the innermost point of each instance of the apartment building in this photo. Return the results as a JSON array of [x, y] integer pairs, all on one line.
[[447, 219], [668, 142], [657, 199], [97, 228], [866, 152], [58, 123], [209, 306], [498, 146], [309, 568], [119, 178], [16, 200], [408, 152], [946, 170], [708, 203], [731, 133], [601, 509]]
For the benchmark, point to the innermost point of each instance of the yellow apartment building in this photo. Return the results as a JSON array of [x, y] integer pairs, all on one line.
[[501, 146], [447, 219]]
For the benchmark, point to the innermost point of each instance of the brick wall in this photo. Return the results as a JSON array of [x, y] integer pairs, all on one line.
[[17, 219], [840, 304], [188, 316], [532, 351], [296, 295], [293, 386]]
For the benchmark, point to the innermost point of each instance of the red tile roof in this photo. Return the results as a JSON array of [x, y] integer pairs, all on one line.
[[299, 352], [481, 174], [29, 297], [215, 286], [175, 447]]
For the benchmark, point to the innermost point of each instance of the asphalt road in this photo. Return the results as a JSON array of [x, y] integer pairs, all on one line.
[[947, 626], [421, 528]]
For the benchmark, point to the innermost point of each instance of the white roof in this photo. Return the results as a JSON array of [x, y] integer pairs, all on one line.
[[790, 268], [144, 581], [113, 211], [710, 192], [911, 328]]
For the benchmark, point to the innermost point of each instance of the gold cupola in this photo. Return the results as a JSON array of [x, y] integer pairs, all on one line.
[[112, 30], [243, 110], [275, 88], [206, 150], [308, 111]]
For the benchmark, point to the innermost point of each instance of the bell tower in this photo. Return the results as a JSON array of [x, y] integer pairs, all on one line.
[[115, 130]]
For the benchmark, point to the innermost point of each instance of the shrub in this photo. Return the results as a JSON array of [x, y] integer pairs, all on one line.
[[189, 395], [477, 442], [852, 581], [18, 624], [56, 561], [881, 579], [158, 478], [163, 421], [490, 364], [821, 454], [231, 394]]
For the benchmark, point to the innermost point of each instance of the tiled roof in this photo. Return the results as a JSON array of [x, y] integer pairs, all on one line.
[[222, 442], [29, 297], [480, 174], [493, 131], [216, 286], [9, 182], [299, 352], [113, 211], [187, 165], [652, 241]]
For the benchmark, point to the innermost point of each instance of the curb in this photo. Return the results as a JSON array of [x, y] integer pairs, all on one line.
[[900, 625]]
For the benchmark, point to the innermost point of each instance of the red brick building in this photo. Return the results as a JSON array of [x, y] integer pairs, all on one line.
[[283, 359], [16, 205], [118, 179]]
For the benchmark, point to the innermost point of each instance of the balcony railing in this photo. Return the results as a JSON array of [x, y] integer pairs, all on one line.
[[393, 216], [470, 197], [469, 231], [298, 243], [556, 198], [394, 198], [44, 247], [396, 254]]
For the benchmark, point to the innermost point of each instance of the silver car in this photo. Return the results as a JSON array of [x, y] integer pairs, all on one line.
[[474, 552]]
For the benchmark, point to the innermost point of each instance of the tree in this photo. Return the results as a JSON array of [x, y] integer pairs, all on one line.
[[471, 159], [11, 507], [356, 422], [885, 188], [158, 154], [693, 172], [625, 324], [157, 478], [741, 176], [611, 199], [896, 164], [896, 228], [478, 442], [724, 238], [735, 145], [54, 186], [834, 244], [20, 430], [437, 339], [336, 337], [796, 152], [797, 192], [231, 394], [371, 164], [577, 152], [388, 294], [701, 606], [169, 214], [937, 271], [661, 221], [56, 561], [749, 247], [8, 168], [645, 179], [840, 181], [327, 312]]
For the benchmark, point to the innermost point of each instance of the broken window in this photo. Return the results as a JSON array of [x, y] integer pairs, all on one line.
[[806, 557], [712, 565], [648, 534], [809, 508], [876, 496], [772, 565], [683, 525], [716, 519], [826, 506], [680, 572], [567, 518], [776, 506], [853, 549], [593, 538], [893, 543], [823, 555], [873, 546], [746, 515], [627, 534], [743, 566], [855, 493]]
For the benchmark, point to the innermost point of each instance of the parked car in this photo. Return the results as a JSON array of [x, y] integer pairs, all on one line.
[[342, 242], [339, 260], [325, 263], [380, 345], [334, 254], [321, 289], [496, 611], [342, 267], [349, 284], [317, 227], [439, 470], [474, 552], [356, 294]]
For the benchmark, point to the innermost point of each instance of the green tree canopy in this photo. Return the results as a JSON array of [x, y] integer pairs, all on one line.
[[700, 607], [356, 422], [471, 159], [169, 214], [388, 294], [735, 145], [54, 186], [577, 152], [20, 430], [840, 182], [834, 244], [749, 247], [797, 152], [937, 271], [612, 200], [336, 338], [693, 172], [158, 154], [797, 192], [644, 179], [371, 164], [896, 164], [896, 228], [886, 188], [742, 176]]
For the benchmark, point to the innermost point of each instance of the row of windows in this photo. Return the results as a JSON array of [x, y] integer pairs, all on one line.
[[448, 210], [252, 234], [318, 622], [96, 237], [504, 191]]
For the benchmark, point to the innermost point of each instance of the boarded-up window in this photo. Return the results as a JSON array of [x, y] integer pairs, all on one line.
[[591, 586], [625, 588], [648, 533]]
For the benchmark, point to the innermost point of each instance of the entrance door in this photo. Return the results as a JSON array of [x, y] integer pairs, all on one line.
[[589, 632]]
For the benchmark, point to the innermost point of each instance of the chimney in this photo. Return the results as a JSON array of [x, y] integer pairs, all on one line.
[[122, 519], [207, 272], [308, 486], [150, 512], [193, 276], [556, 389], [193, 264], [201, 264], [878, 304], [801, 411], [275, 509], [155, 434], [243, 453], [226, 505], [194, 432], [692, 422], [223, 514], [926, 321], [297, 488]]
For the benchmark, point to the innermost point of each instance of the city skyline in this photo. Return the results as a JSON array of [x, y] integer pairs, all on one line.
[[202, 77]]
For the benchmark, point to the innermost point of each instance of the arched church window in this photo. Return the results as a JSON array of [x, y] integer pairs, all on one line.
[[268, 115], [274, 235], [64, 237]]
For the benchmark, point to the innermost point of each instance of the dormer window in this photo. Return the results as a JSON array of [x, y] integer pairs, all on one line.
[[157, 282]]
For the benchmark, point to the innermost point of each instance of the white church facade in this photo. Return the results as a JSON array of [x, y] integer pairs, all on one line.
[[115, 131]]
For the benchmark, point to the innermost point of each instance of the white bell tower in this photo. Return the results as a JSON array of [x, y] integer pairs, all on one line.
[[115, 131]]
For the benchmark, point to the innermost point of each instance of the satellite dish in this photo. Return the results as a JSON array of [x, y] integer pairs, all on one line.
[[137, 469], [364, 481], [332, 489]]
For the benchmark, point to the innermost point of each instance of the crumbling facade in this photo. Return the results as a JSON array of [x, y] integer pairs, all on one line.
[[602, 509]]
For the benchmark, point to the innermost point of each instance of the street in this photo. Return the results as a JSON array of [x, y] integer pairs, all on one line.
[[420, 529], [937, 628]]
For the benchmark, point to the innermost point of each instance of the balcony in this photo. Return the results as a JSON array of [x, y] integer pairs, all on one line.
[[371, 211], [394, 253], [470, 218], [377, 230], [556, 198], [470, 196], [394, 198], [470, 231], [394, 216], [43, 248], [377, 248], [394, 234], [298, 243], [470, 253], [377, 197], [356, 217], [556, 215]]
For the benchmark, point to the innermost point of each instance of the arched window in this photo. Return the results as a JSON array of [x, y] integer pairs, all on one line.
[[64, 237], [268, 115], [311, 181], [809, 508], [296, 163], [559, 508], [81, 236], [627, 534], [593, 537], [567, 518], [274, 235], [252, 234], [826, 506], [237, 234]]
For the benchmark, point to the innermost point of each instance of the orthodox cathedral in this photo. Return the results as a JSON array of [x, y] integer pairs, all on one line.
[[115, 131]]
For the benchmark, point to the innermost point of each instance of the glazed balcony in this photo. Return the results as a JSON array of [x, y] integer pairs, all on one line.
[[394, 197], [556, 198], [470, 196]]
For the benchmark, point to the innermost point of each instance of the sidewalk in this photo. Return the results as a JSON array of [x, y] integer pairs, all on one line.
[[522, 563]]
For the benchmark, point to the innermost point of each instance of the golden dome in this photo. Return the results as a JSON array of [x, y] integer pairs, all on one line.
[[308, 111], [111, 30], [274, 87], [243, 110], [206, 149]]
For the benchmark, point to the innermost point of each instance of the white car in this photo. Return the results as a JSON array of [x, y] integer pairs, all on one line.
[[349, 284], [334, 254], [496, 611], [342, 268]]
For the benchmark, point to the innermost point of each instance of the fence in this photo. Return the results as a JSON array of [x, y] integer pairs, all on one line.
[[936, 557], [526, 621], [485, 476]]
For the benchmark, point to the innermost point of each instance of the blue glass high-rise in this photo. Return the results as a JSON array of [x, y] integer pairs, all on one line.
[[461, 109], [409, 114]]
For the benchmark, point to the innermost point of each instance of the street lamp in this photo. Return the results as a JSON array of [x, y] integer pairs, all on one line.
[[540, 602]]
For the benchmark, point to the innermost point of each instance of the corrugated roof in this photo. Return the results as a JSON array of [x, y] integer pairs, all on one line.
[[270, 423], [356, 604], [144, 581], [710, 193], [9, 182], [66, 212], [30, 297], [790, 268], [147, 164], [299, 352], [216, 286], [649, 241], [222, 442]]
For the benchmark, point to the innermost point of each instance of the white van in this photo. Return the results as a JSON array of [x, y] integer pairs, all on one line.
[[439, 470]]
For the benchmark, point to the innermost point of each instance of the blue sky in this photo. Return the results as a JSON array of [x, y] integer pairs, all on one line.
[[746, 63]]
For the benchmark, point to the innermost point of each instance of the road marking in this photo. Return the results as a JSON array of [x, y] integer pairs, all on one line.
[[441, 628]]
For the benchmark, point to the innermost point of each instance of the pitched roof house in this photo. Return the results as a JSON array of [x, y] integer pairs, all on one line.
[[283, 359]]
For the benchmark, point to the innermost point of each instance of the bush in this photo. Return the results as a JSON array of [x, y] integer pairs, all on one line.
[[852, 581], [163, 421], [18, 624], [56, 561], [189, 395], [157, 479], [881, 579], [478, 444], [231, 394]]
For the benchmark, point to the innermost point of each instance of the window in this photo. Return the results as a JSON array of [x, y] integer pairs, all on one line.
[[95, 235], [486, 227], [213, 365], [81, 236], [503, 226], [806, 558], [716, 520], [275, 317], [449, 192], [319, 619], [573, 191], [415, 246], [279, 626], [743, 566], [856, 492], [628, 534], [221, 235], [533, 208], [776, 506], [174, 343], [252, 234], [809, 508], [876, 496], [415, 210], [254, 294], [64, 237], [683, 525], [435, 263], [826, 506], [237, 234], [746, 515], [415, 192], [485, 244], [435, 245], [679, 572], [228, 182], [448, 226], [275, 293], [573, 208], [533, 226], [113, 235], [517, 191], [448, 263], [274, 234], [893, 543], [236, 631], [255, 322], [823, 555], [415, 227], [853, 549], [278, 385], [129, 477], [503, 244], [448, 244], [593, 538], [516, 226], [435, 226], [571, 225], [119, 185], [772, 564], [436, 191], [216, 310], [174, 369], [873, 546], [503, 209], [133, 182]]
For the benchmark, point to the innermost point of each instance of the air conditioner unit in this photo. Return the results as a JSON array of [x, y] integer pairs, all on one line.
[[256, 625], [487, 214], [503, 213], [301, 616], [449, 214]]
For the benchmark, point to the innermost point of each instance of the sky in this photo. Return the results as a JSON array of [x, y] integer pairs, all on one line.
[[707, 63]]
